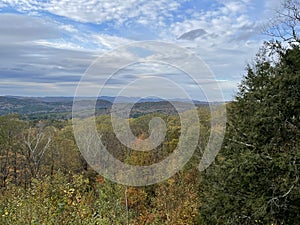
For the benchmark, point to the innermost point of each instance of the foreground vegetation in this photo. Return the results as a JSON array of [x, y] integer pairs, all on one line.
[[45, 180]]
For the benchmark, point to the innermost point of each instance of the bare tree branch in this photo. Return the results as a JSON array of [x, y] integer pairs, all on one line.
[[286, 23]]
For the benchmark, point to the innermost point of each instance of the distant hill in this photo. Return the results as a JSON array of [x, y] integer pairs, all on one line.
[[33, 106], [61, 107], [124, 99]]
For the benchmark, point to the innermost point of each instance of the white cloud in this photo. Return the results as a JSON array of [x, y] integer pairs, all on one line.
[[32, 45], [234, 7], [108, 41], [17, 28], [223, 22], [59, 44], [23, 88], [33, 52], [97, 11], [69, 28], [230, 42]]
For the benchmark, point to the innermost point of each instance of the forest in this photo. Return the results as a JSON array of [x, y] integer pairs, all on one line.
[[254, 179]]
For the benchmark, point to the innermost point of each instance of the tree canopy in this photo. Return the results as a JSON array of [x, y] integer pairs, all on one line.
[[255, 179]]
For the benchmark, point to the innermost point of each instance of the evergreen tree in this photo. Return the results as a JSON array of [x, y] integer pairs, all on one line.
[[255, 179]]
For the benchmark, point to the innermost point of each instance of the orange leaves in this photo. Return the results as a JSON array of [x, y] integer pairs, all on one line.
[[136, 197], [100, 180]]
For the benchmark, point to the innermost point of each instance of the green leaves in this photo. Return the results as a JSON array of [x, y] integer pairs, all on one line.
[[257, 179]]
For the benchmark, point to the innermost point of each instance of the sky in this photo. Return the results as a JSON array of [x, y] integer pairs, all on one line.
[[51, 47]]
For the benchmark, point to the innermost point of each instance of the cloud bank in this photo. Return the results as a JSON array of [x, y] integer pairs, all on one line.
[[46, 46]]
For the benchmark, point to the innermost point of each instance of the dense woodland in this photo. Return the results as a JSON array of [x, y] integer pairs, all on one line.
[[44, 179], [254, 179]]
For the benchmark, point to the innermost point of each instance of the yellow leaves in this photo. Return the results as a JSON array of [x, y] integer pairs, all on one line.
[[5, 214], [69, 193], [135, 196], [171, 181], [177, 201]]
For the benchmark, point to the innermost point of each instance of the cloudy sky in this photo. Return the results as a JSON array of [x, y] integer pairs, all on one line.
[[46, 46]]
